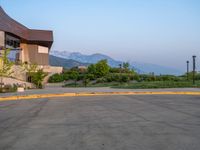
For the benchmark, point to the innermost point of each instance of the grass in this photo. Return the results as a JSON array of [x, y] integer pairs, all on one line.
[[160, 84], [143, 85], [93, 85]]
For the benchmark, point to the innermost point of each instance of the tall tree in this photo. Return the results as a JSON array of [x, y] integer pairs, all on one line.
[[92, 69], [102, 68]]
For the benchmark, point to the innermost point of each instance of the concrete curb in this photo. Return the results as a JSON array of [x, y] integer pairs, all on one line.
[[28, 97]]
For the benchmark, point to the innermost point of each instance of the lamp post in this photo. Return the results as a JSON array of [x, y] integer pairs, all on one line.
[[194, 67], [120, 66], [187, 70]]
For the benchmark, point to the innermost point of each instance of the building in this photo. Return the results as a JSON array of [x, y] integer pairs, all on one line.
[[30, 45], [27, 45]]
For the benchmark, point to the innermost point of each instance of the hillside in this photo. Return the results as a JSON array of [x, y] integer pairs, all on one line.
[[66, 63]]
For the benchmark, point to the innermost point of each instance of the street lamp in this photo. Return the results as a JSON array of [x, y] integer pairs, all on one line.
[[194, 67], [187, 70], [120, 66]]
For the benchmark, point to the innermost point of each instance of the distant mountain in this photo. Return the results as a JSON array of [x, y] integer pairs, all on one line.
[[94, 58], [156, 69], [139, 67], [66, 63], [62, 54]]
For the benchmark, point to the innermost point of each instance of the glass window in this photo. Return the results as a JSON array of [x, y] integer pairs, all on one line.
[[12, 42]]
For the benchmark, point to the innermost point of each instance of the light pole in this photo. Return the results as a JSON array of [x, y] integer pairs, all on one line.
[[194, 67], [120, 66], [187, 70]]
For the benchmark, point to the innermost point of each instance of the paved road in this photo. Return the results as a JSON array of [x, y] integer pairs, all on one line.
[[101, 123]]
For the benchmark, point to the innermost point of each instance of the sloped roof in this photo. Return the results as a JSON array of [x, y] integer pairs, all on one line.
[[7, 24]]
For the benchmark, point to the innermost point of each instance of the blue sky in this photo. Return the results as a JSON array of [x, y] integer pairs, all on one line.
[[165, 32]]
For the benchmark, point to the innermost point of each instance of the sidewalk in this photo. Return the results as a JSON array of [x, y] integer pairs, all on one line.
[[60, 90]]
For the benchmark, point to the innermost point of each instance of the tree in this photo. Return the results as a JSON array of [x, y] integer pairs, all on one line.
[[29, 67], [55, 78], [102, 68], [126, 65], [38, 77], [86, 79], [74, 76], [92, 69], [35, 74], [5, 65]]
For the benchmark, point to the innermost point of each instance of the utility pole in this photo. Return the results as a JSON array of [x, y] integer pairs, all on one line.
[[187, 70], [194, 67]]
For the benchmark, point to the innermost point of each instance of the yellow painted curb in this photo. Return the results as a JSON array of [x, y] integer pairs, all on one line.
[[93, 94]]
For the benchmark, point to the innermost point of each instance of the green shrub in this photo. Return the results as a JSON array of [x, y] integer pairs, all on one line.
[[197, 76], [74, 76], [136, 77], [116, 77], [124, 78], [109, 78], [64, 77], [90, 76], [101, 80], [115, 70], [8, 88], [86, 81], [112, 77], [38, 77], [57, 78], [80, 77]]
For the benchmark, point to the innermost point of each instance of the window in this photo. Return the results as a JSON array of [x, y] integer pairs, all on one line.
[[42, 49], [12, 42]]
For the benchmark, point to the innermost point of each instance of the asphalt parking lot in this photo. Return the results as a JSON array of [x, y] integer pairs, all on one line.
[[156, 122]]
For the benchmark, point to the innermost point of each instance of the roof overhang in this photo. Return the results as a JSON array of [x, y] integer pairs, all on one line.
[[41, 37]]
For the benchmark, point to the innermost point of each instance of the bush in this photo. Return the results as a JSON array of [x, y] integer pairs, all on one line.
[[73, 75], [136, 77], [197, 76], [168, 78], [115, 70], [56, 78], [148, 77], [80, 77], [101, 80], [86, 81], [109, 78], [38, 77], [119, 77], [116, 77], [124, 78], [90, 76], [65, 77], [8, 88]]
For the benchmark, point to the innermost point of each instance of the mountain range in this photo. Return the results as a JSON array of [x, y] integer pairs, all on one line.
[[71, 59], [66, 63]]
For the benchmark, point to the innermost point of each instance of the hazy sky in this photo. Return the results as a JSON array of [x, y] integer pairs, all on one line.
[[165, 32]]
